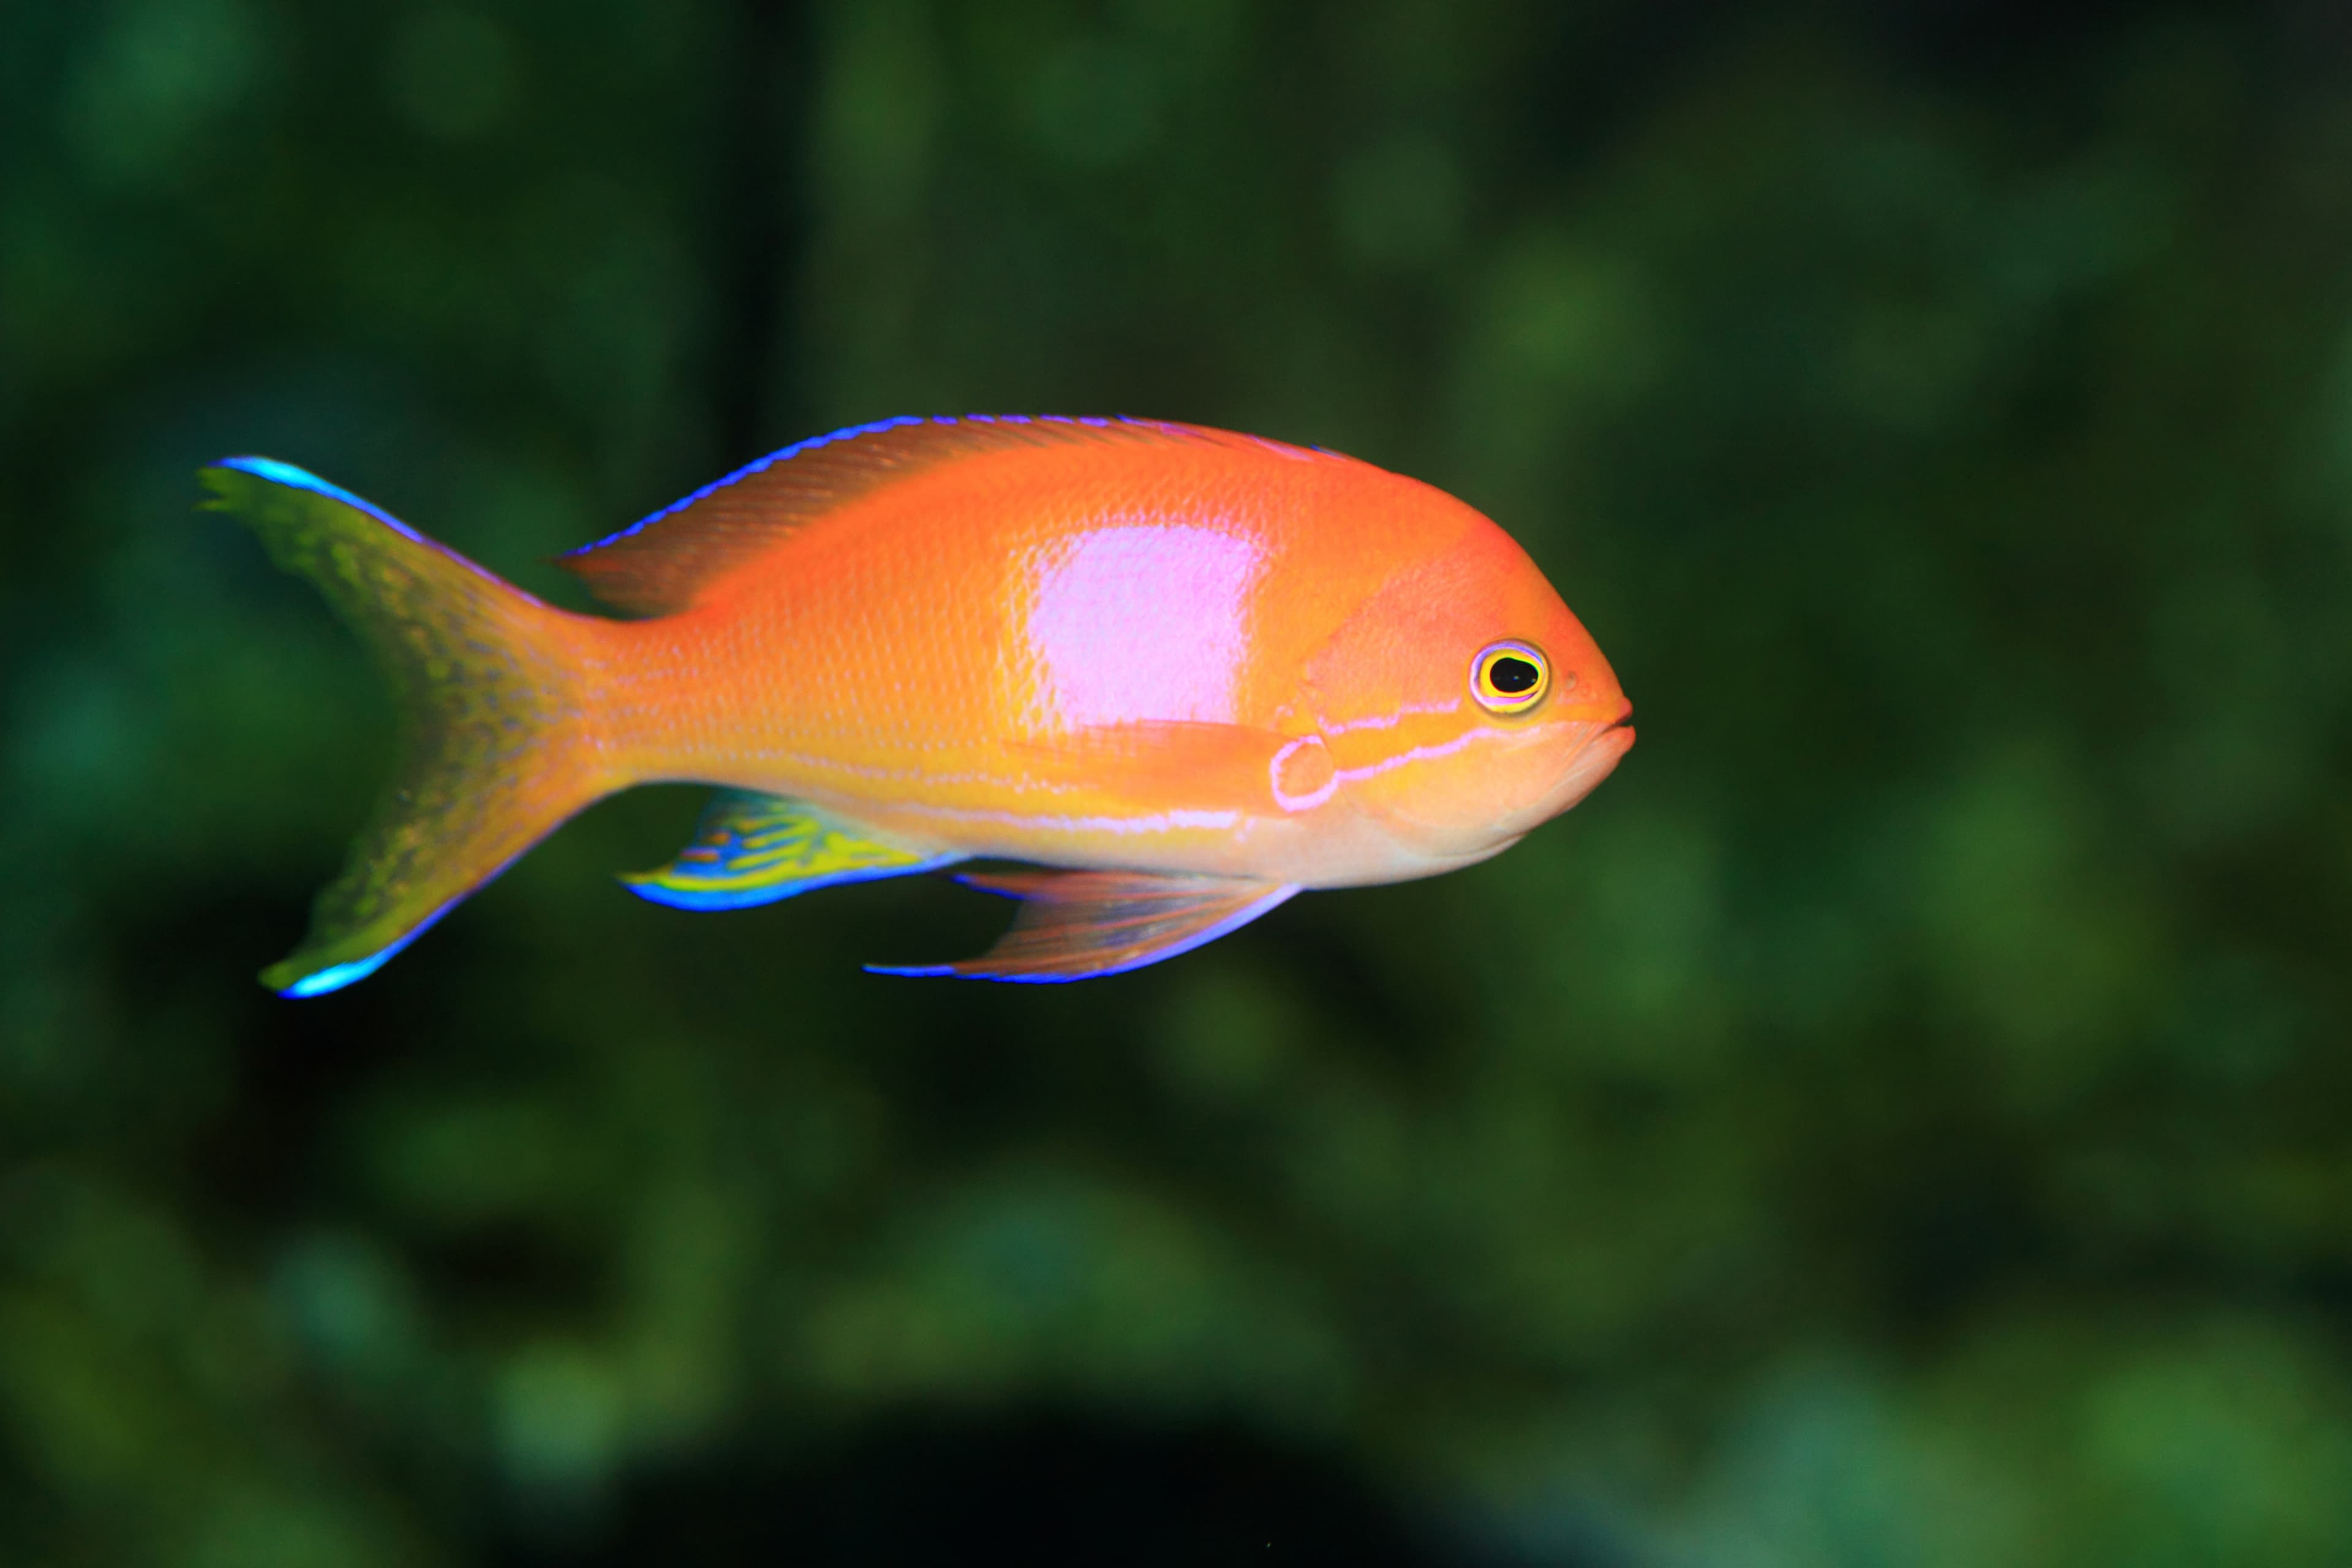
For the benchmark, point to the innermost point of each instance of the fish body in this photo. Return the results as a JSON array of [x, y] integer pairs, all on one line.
[[1185, 672]]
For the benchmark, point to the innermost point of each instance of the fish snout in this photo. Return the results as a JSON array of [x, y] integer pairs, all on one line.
[[1475, 802], [1593, 760]]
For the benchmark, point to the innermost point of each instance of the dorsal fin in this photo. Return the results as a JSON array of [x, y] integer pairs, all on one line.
[[663, 564]]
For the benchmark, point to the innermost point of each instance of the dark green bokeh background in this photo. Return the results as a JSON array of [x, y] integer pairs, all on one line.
[[1905, 1116]]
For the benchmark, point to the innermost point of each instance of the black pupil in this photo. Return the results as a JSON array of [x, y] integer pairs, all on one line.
[[1513, 676]]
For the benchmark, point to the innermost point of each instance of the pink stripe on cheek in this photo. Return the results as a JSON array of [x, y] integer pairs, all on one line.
[[1302, 774], [1414, 754]]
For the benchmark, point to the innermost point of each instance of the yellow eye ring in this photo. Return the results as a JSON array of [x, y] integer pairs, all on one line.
[[1509, 677]]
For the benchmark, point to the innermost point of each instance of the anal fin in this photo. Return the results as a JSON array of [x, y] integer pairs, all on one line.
[[1079, 925], [749, 848]]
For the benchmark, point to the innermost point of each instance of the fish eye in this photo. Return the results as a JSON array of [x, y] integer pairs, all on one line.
[[1509, 677]]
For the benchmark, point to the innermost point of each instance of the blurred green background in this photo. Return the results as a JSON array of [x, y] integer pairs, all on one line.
[[1904, 1118]]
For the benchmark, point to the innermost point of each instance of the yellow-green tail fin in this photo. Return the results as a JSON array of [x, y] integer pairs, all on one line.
[[493, 749]]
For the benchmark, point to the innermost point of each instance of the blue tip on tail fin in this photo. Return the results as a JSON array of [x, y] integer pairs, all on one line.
[[493, 755]]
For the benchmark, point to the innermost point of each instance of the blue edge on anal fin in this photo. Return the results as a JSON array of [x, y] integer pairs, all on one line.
[[1226, 927]]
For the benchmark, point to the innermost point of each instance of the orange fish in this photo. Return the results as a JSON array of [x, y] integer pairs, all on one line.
[[1182, 673]]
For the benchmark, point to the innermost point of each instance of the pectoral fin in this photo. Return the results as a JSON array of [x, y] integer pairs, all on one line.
[[1214, 766], [1078, 925], [751, 848]]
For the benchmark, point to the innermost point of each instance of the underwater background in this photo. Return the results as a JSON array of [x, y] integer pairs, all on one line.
[[1905, 1116]]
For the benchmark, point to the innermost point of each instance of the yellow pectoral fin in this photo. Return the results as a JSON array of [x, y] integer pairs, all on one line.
[[751, 848]]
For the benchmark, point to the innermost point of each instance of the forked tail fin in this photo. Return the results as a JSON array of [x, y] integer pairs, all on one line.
[[495, 746]]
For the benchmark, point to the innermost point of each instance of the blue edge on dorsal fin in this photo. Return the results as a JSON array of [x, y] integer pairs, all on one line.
[[849, 433]]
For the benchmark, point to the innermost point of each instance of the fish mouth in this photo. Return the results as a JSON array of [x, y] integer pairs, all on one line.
[[1592, 761], [1588, 750]]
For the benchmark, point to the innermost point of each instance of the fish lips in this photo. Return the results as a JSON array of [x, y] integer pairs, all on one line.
[[1592, 762], [1587, 751]]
